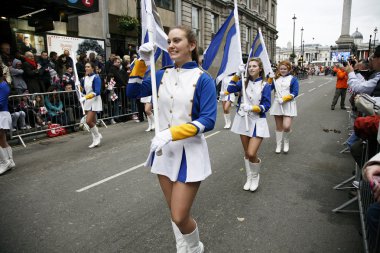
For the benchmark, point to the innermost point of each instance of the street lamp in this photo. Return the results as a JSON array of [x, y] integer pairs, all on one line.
[[374, 38], [294, 27], [369, 45], [301, 40]]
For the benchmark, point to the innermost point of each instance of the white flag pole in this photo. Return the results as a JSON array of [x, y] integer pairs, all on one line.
[[151, 34], [243, 77]]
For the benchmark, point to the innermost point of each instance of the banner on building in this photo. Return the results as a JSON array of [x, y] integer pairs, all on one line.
[[75, 45]]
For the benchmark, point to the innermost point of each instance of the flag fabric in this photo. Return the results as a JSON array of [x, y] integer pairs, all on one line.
[[160, 37], [259, 50], [223, 55]]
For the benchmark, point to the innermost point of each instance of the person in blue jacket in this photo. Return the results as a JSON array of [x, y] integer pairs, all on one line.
[[254, 106], [6, 156], [186, 109]]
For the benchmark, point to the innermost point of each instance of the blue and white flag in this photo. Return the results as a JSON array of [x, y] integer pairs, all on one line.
[[160, 37], [223, 55], [259, 50]]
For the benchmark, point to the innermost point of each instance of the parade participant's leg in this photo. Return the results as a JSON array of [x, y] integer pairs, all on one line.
[[245, 141], [91, 122], [279, 132], [255, 162], [150, 116], [287, 123], [5, 163], [227, 115]]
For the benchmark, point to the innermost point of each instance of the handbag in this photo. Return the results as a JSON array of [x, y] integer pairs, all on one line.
[[366, 104], [55, 130]]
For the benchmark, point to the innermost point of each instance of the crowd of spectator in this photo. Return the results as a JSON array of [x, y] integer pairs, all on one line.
[[52, 74]]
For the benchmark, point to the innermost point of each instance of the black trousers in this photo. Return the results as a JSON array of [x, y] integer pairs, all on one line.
[[342, 94]]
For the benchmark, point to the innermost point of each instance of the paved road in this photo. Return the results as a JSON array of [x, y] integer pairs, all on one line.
[[47, 206]]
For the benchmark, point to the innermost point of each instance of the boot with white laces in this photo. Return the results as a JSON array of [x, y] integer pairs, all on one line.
[[96, 137], [278, 141], [286, 142], [10, 156], [227, 119], [150, 123], [180, 241], [5, 163], [193, 242], [255, 168], [248, 171]]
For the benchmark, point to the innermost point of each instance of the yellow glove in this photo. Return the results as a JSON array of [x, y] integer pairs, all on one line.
[[226, 93], [287, 98], [89, 96], [256, 108], [270, 80]]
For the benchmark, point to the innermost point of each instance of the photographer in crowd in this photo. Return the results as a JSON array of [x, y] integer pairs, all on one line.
[[359, 84]]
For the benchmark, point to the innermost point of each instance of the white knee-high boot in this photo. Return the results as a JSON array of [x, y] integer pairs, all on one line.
[[248, 171], [96, 137], [255, 168], [193, 242], [286, 142], [180, 241], [278, 141], [227, 119], [5, 163], [150, 122], [10, 156]]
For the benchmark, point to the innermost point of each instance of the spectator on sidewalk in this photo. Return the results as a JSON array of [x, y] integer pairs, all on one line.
[[68, 78], [5, 53], [341, 87], [359, 84], [54, 107], [80, 65], [53, 57], [31, 74], [17, 77], [18, 116], [44, 70]]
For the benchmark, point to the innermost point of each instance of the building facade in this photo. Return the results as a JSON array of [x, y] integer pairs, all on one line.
[[203, 16]]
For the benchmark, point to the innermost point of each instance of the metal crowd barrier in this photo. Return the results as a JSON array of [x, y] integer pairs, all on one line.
[[32, 113]]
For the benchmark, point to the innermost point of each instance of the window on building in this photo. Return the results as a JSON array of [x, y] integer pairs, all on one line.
[[165, 4], [195, 22], [214, 23], [272, 14]]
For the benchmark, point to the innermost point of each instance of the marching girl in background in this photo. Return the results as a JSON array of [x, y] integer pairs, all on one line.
[[6, 156], [257, 103], [148, 106], [91, 86], [227, 100], [186, 109], [284, 106]]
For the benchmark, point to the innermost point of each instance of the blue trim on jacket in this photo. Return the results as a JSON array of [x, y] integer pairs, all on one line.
[[265, 101], [204, 102], [96, 84]]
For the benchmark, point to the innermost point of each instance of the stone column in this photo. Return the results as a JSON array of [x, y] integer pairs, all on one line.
[[346, 17]]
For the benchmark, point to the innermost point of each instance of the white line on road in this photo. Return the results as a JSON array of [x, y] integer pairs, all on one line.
[[123, 172], [299, 95], [311, 89]]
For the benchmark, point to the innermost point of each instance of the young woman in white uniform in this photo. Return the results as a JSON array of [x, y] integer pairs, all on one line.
[[284, 106], [187, 108], [6, 156], [91, 86], [227, 100], [258, 102]]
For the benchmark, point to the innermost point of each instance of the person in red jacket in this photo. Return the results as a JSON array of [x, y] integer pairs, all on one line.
[[341, 87]]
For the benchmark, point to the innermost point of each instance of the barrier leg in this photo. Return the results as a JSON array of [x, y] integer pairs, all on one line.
[[339, 186], [341, 208], [22, 141]]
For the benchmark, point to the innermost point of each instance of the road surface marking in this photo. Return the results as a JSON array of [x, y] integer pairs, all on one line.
[[311, 89], [123, 172], [299, 95]]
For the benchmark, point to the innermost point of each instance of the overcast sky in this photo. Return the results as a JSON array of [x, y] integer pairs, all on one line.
[[322, 19]]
